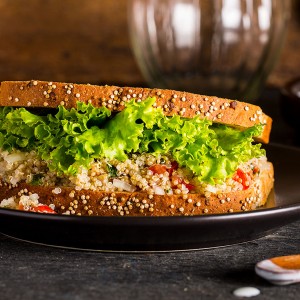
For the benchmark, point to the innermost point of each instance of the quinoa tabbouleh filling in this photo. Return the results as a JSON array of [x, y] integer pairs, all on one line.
[[140, 172]]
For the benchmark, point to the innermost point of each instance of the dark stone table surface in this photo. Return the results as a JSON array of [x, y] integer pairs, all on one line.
[[30, 271]]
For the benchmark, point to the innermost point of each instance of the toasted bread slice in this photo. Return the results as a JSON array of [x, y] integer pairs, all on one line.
[[97, 203], [51, 94]]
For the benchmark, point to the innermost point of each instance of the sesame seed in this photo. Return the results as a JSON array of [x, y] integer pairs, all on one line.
[[35, 82], [246, 108], [181, 209], [77, 95]]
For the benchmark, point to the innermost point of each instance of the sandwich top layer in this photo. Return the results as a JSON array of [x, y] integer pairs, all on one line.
[[51, 94], [136, 160]]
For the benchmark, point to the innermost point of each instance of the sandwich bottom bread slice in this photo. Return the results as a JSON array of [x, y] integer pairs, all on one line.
[[135, 161]]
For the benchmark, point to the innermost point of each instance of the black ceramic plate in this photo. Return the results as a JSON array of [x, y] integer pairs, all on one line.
[[167, 233]]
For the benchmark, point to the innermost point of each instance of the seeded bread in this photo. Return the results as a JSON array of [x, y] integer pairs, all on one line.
[[96, 203], [51, 94]]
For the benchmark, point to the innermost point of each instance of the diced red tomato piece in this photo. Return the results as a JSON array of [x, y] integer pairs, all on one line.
[[179, 180], [161, 169], [189, 186], [255, 170], [243, 178], [158, 169], [39, 209], [174, 167], [43, 209]]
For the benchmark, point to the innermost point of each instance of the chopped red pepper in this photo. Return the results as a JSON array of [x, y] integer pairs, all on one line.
[[243, 178]]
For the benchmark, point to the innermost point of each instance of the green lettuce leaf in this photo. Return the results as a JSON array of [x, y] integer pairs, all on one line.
[[124, 132], [73, 138], [212, 152]]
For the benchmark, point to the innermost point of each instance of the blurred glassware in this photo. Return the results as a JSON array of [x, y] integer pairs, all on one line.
[[225, 48]]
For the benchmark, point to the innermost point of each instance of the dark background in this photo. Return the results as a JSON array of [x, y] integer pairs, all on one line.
[[87, 41]]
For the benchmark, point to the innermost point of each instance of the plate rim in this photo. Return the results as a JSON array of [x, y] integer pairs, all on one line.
[[269, 219]]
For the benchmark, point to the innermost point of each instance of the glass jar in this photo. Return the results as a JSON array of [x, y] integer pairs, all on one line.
[[225, 48]]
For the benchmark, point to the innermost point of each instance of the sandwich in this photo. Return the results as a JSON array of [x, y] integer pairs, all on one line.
[[80, 149]]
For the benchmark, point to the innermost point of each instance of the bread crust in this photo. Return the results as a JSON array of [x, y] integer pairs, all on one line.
[[98, 203], [234, 113]]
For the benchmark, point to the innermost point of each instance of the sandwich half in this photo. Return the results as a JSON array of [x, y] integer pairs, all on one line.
[[109, 151]]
